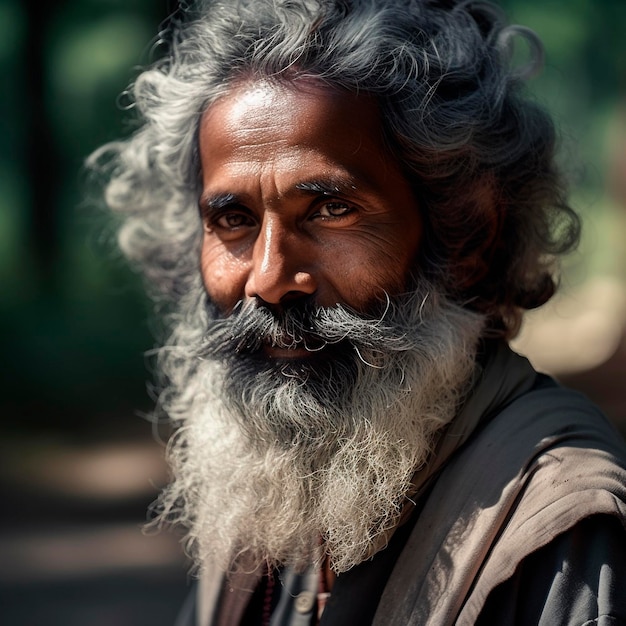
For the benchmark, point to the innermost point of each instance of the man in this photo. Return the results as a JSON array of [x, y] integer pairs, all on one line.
[[346, 205]]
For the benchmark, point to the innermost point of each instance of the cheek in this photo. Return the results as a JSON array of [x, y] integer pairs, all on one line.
[[389, 251], [362, 272], [223, 275]]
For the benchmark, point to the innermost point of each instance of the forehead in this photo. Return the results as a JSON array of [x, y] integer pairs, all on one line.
[[294, 128], [305, 98]]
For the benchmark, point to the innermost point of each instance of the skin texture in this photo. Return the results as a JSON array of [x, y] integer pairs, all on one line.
[[301, 199]]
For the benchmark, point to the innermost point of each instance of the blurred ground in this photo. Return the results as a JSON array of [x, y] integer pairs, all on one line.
[[73, 549]]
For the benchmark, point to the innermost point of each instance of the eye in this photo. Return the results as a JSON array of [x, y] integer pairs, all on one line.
[[232, 220], [229, 223], [334, 210]]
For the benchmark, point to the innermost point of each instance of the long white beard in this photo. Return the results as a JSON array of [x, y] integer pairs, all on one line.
[[248, 495]]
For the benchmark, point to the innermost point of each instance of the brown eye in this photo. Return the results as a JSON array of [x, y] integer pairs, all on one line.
[[233, 220], [334, 209]]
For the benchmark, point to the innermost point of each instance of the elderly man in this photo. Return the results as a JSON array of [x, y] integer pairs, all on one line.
[[343, 208]]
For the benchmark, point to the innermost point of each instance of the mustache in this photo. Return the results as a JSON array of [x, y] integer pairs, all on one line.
[[252, 326]]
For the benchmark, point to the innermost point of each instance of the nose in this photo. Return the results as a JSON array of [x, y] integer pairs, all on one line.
[[281, 267]]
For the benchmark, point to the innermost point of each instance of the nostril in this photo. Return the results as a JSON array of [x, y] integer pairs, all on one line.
[[295, 302], [292, 296], [278, 283]]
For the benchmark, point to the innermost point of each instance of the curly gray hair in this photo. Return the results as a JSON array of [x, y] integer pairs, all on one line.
[[478, 152]]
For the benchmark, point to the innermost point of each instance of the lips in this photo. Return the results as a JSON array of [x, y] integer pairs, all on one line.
[[288, 348], [286, 353]]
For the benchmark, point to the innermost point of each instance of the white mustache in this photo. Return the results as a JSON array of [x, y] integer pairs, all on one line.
[[250, 327]]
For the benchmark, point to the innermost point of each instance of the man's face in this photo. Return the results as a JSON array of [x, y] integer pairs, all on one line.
[[307, 409], [301, 198]]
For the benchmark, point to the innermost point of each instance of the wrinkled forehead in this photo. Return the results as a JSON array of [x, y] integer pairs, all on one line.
[[307, 96], [295, 128]]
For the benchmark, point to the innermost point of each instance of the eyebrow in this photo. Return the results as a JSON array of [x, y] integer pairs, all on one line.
[[327, 187], [219, 201]]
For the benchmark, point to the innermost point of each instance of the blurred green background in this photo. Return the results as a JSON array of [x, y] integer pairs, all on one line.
[[74, 323]]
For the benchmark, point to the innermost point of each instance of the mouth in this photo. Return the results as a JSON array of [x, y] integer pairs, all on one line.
[[309, 351], [298, 362], [273, 352]]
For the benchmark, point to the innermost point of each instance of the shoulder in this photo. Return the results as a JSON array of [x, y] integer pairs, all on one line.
[[562, 468], [575, 579], [554, 436], [561, 451]]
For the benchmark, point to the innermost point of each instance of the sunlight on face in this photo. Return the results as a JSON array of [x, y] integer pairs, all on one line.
[[301, 198]]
